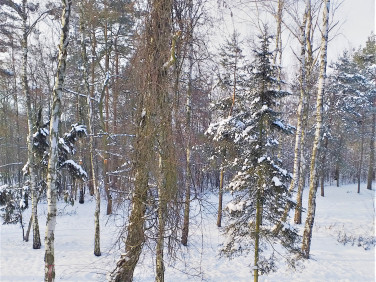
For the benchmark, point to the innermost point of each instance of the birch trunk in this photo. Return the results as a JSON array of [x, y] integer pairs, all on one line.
[[307, 235], [187, 202], [323, 165], [85, 70], [49, 257], [371, 154], [302, 102], [30, 125], [299, 193], [302, 98]]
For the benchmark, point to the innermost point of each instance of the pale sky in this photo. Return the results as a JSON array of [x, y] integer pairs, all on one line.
[[358, 20]]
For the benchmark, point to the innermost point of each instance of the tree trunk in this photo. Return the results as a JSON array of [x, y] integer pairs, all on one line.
[[81, 199], [220, 199], [307, 235], [104, 99], [154, 126], [371, 154], [26, 237], [257, 231], [97, 251], [302, 98], [300, 114], [323, 165], [54, 137], [135, 237], [30, 123], [302, 178], [188, 176], [359, 174], [278, 41]]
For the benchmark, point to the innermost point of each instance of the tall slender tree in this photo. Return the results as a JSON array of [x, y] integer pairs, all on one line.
[[308, 228], [153, 131], [49, 257], [85, 74]]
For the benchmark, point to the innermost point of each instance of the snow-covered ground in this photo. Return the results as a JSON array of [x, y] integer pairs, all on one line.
[[342, 215]]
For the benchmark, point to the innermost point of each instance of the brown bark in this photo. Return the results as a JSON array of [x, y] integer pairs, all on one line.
[[371, 154], [359, 173]]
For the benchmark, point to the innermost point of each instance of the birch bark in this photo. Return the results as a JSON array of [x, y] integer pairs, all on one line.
[[49, 257], [307, 235], [30, 125]]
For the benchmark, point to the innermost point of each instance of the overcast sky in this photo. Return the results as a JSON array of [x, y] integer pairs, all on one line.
[[357, 19]]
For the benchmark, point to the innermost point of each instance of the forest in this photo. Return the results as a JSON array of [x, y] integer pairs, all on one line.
[[149, 114]]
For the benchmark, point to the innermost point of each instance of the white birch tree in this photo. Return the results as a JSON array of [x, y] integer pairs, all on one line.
[[49, 257], [307, 235]]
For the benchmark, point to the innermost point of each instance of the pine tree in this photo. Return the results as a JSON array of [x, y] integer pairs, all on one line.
[[260, 185], [353, 86], [230, 81]]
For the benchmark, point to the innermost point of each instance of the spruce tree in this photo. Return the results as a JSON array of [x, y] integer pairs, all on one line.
[[260, 184]]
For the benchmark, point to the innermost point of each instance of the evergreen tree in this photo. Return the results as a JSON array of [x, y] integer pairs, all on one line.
[[230, 81], [260, 186], [353, 85]]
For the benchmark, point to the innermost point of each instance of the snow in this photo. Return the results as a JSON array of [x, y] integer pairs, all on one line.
[[64, 146], [76, 166], [3, 187], [235, 207], [341, 211], [276, 181]]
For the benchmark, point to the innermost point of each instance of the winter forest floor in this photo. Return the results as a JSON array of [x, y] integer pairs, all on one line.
[[343, 245]]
